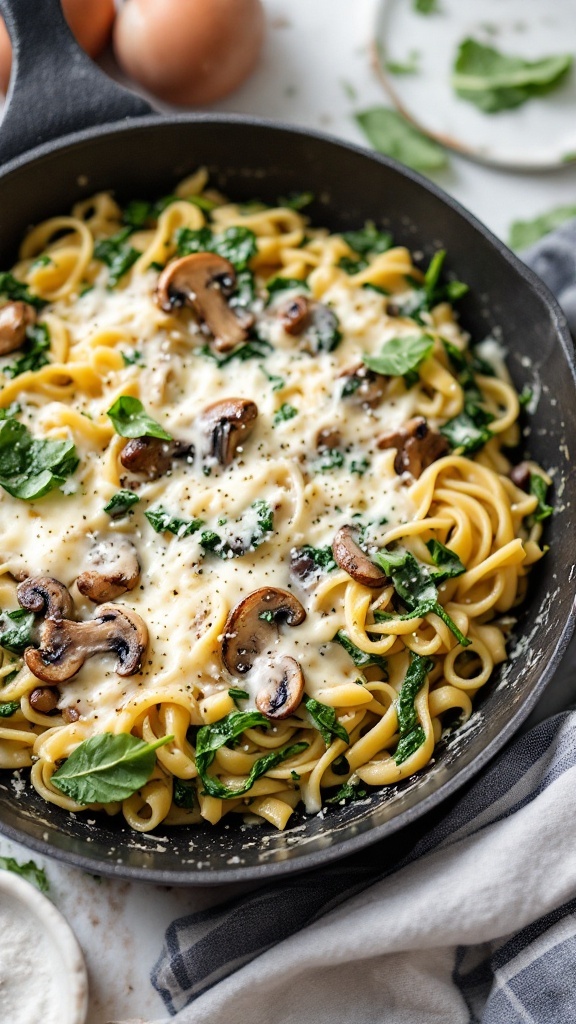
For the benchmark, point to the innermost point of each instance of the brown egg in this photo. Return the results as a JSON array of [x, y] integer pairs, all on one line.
[[189, 52], [90, 21]]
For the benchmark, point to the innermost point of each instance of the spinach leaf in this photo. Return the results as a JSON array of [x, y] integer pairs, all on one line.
[[350, 266], [369, 240], [360, 658], [256, 348], [117, 254], [133, 358], [33, 355], [264, 524], [409, 744], [448, 562], [121, 503], [283, 284], [17, 291], [163, 521], [399, 356], [425, 6], [433, 291], [391, 134], [468, 431], [539, 488], [359, 466], [322, 558], [331, 458], [526, 232], [494, 81], [237, 694], [285, 412], [183, 794], [29, 871], [264, 764], [415, 584], [237, 244], [8, 708], [347, 793], [411, 732], [130, 419], [107, 767], [30, 468], [19, 637], [324, 718], [296, 200], [210, 738]]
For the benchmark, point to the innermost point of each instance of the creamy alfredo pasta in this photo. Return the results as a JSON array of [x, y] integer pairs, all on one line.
[[261, 540]]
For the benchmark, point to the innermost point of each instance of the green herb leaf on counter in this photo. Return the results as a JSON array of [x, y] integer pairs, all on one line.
[[324, 718], [184, 795], [524, 233], [369, 240], [121, 503], [539, 488], [494, 81], [391, 134], [107, 768], [29, 871], [426, 6], [17, 291], [360, 658], [33, 354], [415, 583], [19, 636], [163, 521], [30, 468], [297, 200], [285, 412], [9, 708], [411, 66], [236, 244], [347, 793], [130, 419], [283, 284], [399, 356], [412, 735], [117, 254]]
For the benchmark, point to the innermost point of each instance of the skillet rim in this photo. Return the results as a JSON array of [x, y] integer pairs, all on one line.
[[307, 861]]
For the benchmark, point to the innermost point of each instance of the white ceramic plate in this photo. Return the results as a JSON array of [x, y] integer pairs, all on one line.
[[539, 135], [62, 993]]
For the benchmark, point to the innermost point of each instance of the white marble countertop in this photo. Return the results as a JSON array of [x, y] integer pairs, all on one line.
[[315, 51]]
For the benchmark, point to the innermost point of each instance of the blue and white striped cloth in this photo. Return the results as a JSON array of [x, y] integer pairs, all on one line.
[[466, 919]]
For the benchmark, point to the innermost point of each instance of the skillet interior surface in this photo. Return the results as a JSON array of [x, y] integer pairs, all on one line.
[[250, 160]]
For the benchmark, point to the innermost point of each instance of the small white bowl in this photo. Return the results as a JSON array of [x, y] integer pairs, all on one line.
[[42, 970]]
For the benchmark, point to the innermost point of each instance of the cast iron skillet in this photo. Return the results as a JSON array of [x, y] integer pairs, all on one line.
[[88, 134]]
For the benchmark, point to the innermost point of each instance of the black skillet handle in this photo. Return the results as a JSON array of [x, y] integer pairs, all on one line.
[[54, 87]]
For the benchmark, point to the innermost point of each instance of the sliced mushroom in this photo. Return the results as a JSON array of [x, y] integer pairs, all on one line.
[[418, 446], [226, 425], [45, 594], [363, 386], [520, 475], [151, 456], [204, 281], [328, 437], [313, 322], [44, 699], [355, 561], [15, 318], [65, 645], [116, 570], [295, 314], [251, 633]]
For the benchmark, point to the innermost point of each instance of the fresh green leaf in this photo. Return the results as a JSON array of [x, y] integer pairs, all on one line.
[[184, 795], [264, 764], [415, 584], [391, 134], [322, 558], [360, 658], [238, 694], [524, 233], [277, 382], [409, 744], [8, 708], [163, 521], [121, 503], [426, 6], [347, 793], [107, 767], [33, 355], [525, 396], [17, 291], [29, 871], [117, 254], [10, 411], [350, 266], [399, 356], [137, 213], [448, 562], [330, 458], [285, 412], [359, 466], [324, 718], [411, 732], [130, 419], [19, 636], [133, 358], [30, 468], [236, 244], [494, 81], [256, 348], [539, 488], [210, 738], [42, 261], [411, 66], [369, 240], [297, 200], [283, 284], [468, 431]]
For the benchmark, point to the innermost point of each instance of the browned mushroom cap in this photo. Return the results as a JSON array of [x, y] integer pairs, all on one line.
[[203, 281], [226, 425], [354, 561], [295, 314], [418, 446], [44, 699], [363, 386], [328, 437], [45, 594], [66, 645], [282, 694], [151, 456], [117, 570], [15, 318], [252, 630]]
